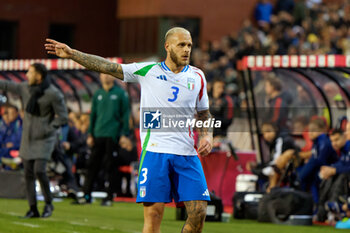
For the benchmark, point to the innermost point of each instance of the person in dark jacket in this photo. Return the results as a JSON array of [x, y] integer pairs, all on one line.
[[109, 125], [67, 144], [281, 151], [221, 107], [284, 5], [277, 103], [45, 111], [335, 176], [322, 154]]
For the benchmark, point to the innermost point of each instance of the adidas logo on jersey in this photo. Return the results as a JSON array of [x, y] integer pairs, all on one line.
[[206, 193], [162, 77]]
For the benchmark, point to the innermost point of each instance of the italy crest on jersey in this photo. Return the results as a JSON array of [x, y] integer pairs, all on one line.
[[142, 191], [190, 83]]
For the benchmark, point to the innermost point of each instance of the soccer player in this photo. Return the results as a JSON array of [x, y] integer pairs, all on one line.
[[169, 167]]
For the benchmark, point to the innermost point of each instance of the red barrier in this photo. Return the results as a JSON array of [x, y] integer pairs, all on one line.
[[221, 172]]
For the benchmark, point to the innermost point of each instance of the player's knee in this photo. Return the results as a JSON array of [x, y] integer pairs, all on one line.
[[154, 216], [198, 213]]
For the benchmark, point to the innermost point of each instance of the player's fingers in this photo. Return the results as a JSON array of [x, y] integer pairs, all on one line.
[[206, 143], [52, 41], [204, 152], [200, 152], [49, 48], [201, 147], [50, 52], [210, 147], [205, 149]]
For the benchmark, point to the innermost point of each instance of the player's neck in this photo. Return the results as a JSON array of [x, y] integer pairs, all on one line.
[[172, 66]]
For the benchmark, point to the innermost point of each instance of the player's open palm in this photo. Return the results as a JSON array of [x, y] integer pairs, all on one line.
[[59, 49]]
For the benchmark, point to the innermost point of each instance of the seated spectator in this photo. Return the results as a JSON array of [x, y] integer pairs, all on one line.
[[263, 12], [64, 151], [285, 5], [300, 129], [322, 154], [313, 3], [10, 131], [126, 155], [84, 149], [334, 177], [221, 107], [281, 151]]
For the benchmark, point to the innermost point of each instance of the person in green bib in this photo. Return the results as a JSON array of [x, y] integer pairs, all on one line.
[[109, 127]]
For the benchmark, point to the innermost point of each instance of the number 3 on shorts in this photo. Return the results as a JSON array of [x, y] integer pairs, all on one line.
[[144, 175], [174, 93]]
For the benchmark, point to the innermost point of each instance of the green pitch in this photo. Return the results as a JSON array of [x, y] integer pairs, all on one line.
[[121, 218]]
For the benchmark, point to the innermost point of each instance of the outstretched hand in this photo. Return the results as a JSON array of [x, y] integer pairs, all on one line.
[[59, 49], [205, 145]]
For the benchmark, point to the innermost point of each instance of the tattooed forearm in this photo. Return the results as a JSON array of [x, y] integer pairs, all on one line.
[[196, 211], [203, 116], [99, 64]]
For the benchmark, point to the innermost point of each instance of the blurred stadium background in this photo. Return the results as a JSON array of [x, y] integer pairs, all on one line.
[[305, 43]]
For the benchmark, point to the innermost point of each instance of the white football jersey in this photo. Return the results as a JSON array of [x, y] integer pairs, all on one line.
[[166, 100]]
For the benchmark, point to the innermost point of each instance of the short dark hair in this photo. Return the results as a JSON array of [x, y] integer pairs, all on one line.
[[320, 122], [41, 69], [217, 79], [272, 124], [301, 119], [274, 82], [336, 131]]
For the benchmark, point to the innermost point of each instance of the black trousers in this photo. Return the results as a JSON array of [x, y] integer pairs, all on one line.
[[36, 169], [330, 190], [102, 158], [68, 176]]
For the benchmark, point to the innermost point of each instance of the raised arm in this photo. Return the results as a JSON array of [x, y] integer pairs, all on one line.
[[11, 86], [205, 134], [91, 62]]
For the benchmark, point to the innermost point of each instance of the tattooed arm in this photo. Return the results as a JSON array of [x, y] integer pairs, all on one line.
[[205, 134], [89, 61]]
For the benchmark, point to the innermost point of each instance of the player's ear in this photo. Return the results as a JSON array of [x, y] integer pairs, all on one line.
[[166, 46]]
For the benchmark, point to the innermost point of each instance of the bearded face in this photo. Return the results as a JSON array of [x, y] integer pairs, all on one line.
[[178, 59], [179, 47]]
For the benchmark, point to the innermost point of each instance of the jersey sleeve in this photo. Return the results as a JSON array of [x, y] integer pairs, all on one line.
[[202, 102], [134, 72], [129, 72]]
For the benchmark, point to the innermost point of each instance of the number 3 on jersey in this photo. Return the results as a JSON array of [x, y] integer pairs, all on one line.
[[144, 172], [174, 93]]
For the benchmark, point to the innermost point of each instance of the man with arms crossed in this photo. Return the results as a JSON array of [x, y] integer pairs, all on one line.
[[169, 167]]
